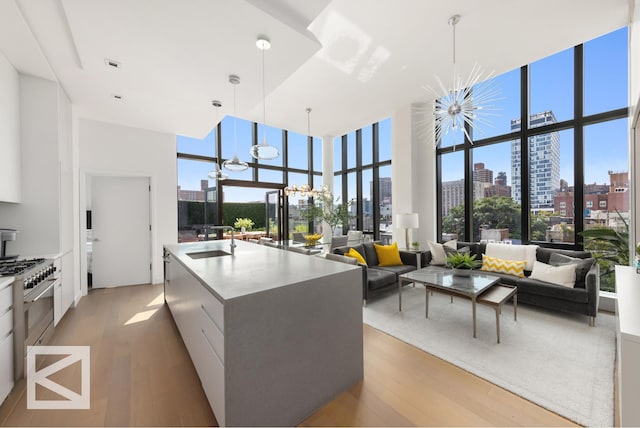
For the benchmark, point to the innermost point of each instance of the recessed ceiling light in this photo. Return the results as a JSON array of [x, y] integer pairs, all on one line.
[[111, 63], [117, 97], [216, 103]]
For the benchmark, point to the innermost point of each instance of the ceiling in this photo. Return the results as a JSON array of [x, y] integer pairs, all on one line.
[[352, 61]]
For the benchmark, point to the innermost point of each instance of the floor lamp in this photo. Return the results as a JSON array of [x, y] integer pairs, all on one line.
[[407, 221]]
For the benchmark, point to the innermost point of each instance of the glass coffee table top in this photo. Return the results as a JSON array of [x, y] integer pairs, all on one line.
[[440, 277]]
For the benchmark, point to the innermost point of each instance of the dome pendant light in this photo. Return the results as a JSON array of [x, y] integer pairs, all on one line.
[[264, 150], [235, 165], [217, 173]]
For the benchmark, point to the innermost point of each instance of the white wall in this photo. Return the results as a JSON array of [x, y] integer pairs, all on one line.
[[9, 134], [118, 150], [37, 216]]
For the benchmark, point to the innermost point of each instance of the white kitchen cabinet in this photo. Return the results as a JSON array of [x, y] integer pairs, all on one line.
[[63, 289], [6, 338], [193, 309], [628, 340]]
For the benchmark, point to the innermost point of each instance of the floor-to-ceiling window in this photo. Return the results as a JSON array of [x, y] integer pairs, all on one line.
[[362, 160], [562, 172], [300, 162]]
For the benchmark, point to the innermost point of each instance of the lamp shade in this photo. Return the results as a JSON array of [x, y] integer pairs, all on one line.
[[407, 221]]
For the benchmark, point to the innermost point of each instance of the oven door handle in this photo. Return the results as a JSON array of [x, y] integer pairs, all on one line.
[[49, 287]]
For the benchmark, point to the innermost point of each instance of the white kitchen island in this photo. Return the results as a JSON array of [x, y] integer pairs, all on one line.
[[273, 334]]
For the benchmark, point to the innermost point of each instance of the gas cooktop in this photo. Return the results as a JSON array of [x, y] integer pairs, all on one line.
[[16, 267]]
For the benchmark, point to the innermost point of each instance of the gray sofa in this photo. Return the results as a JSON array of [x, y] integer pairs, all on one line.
[[375, 277], [581, 299]]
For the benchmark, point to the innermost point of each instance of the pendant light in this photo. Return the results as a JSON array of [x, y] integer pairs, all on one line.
[[217, 173], [235, 165], [468, 103], [264, 150]]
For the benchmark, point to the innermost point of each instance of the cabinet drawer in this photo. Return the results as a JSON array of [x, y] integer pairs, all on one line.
[[6, 323], [213, 309], [213, 336], [6, 298], [212, 379], [6, 365]]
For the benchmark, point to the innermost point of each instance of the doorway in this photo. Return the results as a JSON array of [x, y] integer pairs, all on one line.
[[119, 251], [260, 202]]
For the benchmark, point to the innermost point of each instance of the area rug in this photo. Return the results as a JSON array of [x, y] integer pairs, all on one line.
[[552, 359]]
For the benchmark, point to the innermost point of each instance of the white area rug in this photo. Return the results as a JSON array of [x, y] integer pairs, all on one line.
[[552, 359]]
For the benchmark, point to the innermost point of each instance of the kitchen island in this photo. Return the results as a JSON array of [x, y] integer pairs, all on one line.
[[273, 334]]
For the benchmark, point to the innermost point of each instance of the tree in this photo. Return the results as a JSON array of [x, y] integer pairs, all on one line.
[[496, 212], [454, 221], [324, 208]]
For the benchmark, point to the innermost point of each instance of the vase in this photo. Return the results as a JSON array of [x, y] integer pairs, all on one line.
[[461, 272]]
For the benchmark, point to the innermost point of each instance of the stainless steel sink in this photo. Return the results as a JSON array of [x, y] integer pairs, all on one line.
[[207, 254]]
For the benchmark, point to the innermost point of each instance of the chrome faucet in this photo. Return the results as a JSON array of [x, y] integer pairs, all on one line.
[[223, 228]]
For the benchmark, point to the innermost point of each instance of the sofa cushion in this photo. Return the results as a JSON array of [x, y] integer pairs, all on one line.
[[398, 270], [356, 255], [369, 253], [505, 278], [378, 278], [533, 286], [513, 252], [583, 266], [388, 255], [564, 275], [494, 264], [543, 254]]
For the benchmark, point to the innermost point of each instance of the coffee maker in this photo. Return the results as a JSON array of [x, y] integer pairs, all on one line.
[[6, 235]]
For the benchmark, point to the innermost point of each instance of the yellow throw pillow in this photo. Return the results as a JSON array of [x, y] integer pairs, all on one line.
[[356, 255], [512, 267], [388, 255]]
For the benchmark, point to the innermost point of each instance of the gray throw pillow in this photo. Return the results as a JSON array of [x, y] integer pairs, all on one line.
[[582, 266]]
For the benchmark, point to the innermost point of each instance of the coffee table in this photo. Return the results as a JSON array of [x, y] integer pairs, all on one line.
[[443, 281]]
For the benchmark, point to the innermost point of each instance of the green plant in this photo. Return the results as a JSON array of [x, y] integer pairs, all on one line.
[[610, 247], [462, 261], [415, 244], [247, 223]]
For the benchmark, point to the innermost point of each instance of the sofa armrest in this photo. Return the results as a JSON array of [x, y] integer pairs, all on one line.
[[592, 284], [409, 258]]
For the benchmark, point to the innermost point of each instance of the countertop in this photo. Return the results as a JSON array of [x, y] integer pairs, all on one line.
[[253, 268]]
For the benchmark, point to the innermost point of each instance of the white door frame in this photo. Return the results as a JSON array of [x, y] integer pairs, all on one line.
[[85, 176]]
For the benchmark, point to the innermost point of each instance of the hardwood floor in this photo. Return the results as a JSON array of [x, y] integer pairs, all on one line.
[[141, 375]]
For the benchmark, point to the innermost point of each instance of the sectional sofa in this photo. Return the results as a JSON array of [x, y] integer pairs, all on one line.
[[582, 298]]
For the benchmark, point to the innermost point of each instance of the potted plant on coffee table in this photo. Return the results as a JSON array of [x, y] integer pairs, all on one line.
[[462, 263]]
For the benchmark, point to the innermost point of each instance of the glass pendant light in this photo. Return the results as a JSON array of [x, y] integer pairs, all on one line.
[[235, 164], [264, 150], [217, 173]]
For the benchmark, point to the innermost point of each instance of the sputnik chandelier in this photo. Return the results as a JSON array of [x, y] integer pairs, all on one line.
[[467, 103], [306, 190]]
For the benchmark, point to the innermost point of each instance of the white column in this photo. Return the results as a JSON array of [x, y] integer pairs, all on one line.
[[413, 170], [327, 169]]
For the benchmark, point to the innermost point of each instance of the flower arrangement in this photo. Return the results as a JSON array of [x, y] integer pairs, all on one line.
[[243, 224]]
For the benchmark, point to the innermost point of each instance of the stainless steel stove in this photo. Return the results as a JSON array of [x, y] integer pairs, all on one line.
[[33, 288]]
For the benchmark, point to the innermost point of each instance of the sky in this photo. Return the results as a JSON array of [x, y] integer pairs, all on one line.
[[551, 88]]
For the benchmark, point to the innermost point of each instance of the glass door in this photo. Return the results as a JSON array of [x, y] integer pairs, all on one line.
[[274, 215]]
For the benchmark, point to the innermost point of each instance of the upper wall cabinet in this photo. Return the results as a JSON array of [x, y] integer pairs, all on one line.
[[9, 133]]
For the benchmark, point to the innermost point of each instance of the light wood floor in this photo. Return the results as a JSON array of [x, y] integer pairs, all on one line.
[[141, 375]]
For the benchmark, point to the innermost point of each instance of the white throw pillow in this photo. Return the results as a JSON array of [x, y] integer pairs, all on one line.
[[564, 275], [513, 252], [438, 256], [452, 244]]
